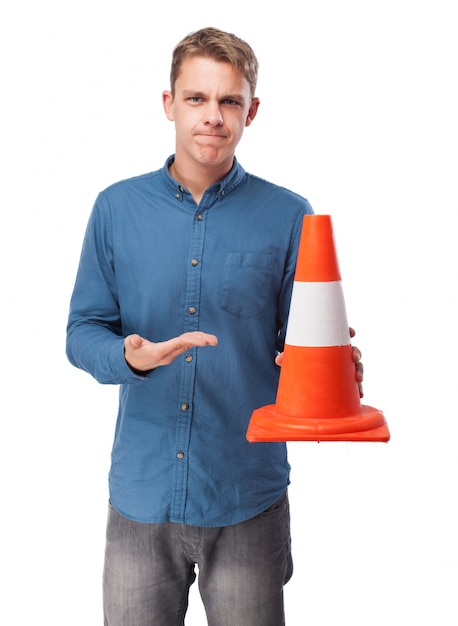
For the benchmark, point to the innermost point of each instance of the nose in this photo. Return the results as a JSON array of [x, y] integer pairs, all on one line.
[[213, 115]]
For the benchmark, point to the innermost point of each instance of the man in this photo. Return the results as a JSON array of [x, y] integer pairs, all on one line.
[[199, 254]]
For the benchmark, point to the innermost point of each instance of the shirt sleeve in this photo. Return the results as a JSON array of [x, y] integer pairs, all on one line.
[[95, 342]]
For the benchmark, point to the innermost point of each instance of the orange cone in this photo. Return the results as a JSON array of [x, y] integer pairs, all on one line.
[[318, 395]]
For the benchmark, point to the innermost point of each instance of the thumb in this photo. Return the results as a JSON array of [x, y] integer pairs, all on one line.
[[135, 341]]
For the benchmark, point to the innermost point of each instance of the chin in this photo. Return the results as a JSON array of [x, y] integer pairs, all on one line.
[[212, 157]]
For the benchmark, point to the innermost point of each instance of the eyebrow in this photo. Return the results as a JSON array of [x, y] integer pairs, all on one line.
[[188, 93]]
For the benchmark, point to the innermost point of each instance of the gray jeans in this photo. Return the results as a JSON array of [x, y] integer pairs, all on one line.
[[242, 569]]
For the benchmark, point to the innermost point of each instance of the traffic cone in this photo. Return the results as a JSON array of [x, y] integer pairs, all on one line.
[[318, 395]]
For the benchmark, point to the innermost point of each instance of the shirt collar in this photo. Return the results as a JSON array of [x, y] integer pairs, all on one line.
[[221, 188]]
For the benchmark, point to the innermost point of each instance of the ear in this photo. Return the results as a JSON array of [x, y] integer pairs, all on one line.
[[252, 111], [167, 103]]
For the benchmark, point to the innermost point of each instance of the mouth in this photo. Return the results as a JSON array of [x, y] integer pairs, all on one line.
[[211, 135]]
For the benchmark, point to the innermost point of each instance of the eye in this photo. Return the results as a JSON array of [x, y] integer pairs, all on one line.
[[230, 102], [195, 99]]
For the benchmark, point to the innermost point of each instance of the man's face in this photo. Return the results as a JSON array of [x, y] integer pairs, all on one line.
[[211, 107]]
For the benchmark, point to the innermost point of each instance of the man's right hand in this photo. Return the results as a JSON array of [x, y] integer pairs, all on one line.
[[143, 355]]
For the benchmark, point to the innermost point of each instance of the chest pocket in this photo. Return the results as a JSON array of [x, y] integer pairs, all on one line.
[[245, 284]]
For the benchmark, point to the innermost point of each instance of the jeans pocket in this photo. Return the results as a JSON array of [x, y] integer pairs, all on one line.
[[281, 503]]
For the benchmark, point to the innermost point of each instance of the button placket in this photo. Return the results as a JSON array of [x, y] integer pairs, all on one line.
[[188, 368]]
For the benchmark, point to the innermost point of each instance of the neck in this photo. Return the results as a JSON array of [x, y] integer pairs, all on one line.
[[197, 178]]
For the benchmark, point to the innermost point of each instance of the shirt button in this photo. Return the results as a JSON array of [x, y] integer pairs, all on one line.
[[191, 310], [194, 262], [222, 192], [181, 189], [188, 358], [177, 195], [180, 455], [184, 406], [199, 216]]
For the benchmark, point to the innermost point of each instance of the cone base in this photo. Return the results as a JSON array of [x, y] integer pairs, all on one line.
[[267, 424]]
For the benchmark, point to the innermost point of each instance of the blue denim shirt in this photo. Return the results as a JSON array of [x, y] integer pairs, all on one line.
[[155, 263]]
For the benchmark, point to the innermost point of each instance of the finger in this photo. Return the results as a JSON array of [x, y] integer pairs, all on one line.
[[135, 341], [193, 340], [352, 332], [359, 371], [356, 354], [197, 338]]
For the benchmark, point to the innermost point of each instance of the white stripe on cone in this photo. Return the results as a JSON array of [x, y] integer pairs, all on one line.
[[317, 315]]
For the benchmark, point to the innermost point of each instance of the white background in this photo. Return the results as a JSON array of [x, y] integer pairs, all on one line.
[[359, 105]]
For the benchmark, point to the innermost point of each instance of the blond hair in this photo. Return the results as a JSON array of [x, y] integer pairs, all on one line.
[[220, 46]]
